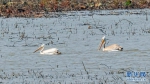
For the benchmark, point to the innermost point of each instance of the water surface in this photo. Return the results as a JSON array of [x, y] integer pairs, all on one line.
[[77, 35]]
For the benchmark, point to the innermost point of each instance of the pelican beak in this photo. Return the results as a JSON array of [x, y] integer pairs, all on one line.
[[102, 42], [38, 49]]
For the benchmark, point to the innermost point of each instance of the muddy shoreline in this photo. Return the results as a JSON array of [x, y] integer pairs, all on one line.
[[44, 7]]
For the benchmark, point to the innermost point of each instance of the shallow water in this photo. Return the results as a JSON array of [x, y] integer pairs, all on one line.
[[80, 61]]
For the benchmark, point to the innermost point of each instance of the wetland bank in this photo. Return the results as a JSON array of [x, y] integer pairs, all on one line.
[[77, 35]]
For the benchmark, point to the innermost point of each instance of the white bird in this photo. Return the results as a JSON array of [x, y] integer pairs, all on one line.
[[113, 47], [51, 51]]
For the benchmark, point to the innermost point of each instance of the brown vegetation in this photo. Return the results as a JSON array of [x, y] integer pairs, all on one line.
[[37, 8]]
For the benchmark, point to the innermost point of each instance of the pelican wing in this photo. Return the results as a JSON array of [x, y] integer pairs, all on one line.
[[51, 51], [113, 47]]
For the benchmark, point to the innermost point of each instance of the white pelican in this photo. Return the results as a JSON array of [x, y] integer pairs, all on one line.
[[113, 47], [51, 51]]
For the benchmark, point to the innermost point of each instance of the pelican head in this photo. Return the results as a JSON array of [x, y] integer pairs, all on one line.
[[42, 45], [40, 48], [103, 41]]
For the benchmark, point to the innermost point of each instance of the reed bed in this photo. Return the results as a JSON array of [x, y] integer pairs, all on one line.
[[40, 8]]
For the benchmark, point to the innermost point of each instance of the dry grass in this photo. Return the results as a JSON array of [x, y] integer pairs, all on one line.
[[37, 8]]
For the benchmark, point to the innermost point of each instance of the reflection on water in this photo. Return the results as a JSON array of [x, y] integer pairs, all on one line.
[[77, 36]]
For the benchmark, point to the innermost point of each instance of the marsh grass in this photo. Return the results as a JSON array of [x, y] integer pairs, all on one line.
[[51, 75], [40, 8]]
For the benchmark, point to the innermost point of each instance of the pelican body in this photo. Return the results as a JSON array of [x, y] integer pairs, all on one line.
[[113, 47], [51, 51]]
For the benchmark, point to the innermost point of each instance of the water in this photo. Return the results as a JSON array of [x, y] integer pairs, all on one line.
[[80, 61]]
